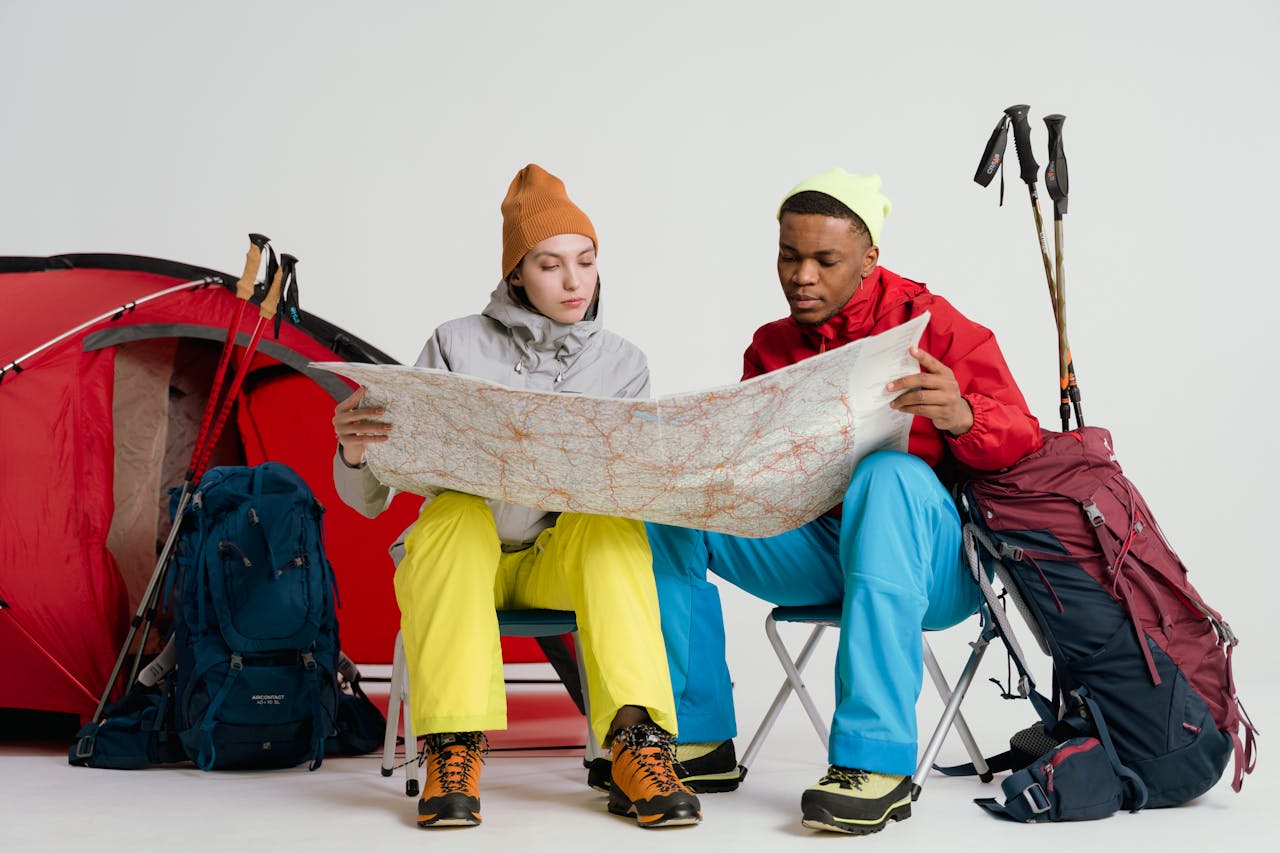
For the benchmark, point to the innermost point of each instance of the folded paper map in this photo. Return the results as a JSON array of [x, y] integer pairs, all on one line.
[[754, 459]]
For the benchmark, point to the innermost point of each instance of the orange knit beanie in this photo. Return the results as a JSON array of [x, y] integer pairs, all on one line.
[[537, 207]]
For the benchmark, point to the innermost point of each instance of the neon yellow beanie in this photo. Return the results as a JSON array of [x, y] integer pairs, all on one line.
[[859, 193]]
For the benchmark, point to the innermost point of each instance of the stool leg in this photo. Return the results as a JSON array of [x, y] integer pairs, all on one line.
[[393, 709], [951, 714], [398, 704], [413, 761], [792, 682], [592, 749]]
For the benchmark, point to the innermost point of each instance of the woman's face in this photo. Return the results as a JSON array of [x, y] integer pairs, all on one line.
[[559, 277]]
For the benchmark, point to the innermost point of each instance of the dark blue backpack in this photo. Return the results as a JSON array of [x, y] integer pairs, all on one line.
[[246, 678], [254, 622]]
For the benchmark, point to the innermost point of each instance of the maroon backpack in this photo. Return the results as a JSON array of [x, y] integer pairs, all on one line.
[[1135, 650]]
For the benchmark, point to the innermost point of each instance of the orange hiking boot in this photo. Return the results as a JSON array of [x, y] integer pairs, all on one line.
[[645, 785], [451, 796]]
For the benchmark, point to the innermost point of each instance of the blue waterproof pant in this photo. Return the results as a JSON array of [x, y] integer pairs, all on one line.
[[893, 562]]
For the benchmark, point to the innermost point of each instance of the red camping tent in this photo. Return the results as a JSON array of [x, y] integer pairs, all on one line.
[[98, 414]]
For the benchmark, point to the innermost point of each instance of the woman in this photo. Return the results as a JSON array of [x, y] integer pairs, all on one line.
[[466, 557]]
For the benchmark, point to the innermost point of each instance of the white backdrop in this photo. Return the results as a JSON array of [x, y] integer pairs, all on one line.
[[375, 141]]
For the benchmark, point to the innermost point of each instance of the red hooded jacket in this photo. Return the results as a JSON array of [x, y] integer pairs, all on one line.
[[1003, 429]]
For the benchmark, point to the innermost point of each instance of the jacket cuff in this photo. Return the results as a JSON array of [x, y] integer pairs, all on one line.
[[343, 460], [979, 406]]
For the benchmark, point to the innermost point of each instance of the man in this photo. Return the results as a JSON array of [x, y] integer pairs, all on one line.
[[890, 552]]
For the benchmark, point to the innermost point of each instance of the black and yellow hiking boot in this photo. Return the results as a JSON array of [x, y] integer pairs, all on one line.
[[704, 768], [451, 796], [708, 768], [644, 782], [855, 801]]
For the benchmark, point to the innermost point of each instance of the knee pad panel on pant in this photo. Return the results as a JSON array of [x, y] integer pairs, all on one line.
[[892, 469], [453, 532], [592, 532], [450, 515]]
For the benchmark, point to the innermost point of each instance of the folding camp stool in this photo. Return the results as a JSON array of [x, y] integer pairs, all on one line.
[[828, 616], [511, 623]]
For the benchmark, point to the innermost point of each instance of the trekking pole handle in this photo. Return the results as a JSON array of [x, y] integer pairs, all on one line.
[[252, 259], [1028, 166], [1055, 171], [268, 308], [288, 292]]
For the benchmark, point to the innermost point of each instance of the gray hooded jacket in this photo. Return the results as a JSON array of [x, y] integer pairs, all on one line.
[[519, 348]]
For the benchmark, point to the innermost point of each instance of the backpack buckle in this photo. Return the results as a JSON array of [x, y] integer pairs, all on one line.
[[1095, 516], [309, 661], [1036, 798], [1225, 633], [237, 663], [84, 746]]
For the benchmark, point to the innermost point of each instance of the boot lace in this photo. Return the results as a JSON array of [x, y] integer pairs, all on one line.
[[845, 777], [454, 758], [654, 755]]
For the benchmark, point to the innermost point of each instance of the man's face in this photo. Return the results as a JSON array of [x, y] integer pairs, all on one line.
[[821, 262]]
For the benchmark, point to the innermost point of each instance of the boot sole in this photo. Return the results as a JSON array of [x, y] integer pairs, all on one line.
[[682, 816], [720, 783], [448, 821], [820, 818]]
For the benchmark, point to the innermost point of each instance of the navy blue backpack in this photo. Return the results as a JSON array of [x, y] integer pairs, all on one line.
[[251, 675], [254, 622]]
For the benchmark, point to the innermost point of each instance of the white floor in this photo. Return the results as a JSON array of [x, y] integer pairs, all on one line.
[[539, 801]]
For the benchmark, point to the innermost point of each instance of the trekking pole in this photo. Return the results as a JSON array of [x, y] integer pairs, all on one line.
[[207, 436], [1029, 170], [244, 293], [1055, 180], [265, 313], [145, 614]]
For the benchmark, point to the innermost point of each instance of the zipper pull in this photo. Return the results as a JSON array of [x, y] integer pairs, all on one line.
[[1048, 773], [225, 547]]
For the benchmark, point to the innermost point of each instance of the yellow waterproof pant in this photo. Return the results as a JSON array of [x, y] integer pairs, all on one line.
[[455, 576]]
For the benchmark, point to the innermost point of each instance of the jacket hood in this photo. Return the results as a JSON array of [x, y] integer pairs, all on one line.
[[537, 335]]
